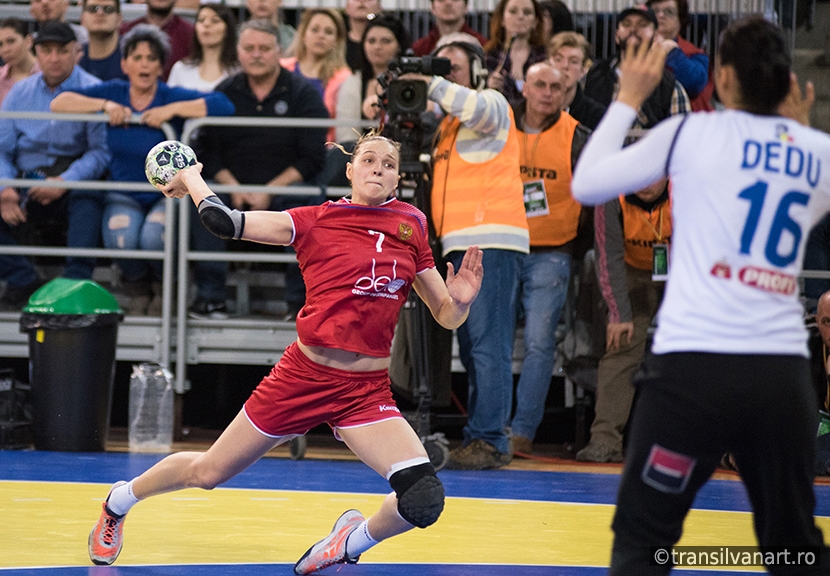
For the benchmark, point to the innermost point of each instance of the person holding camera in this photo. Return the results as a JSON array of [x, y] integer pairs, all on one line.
[[384, 39], [476, 200]]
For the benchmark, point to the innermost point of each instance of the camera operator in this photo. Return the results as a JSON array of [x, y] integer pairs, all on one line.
[[477, 200]]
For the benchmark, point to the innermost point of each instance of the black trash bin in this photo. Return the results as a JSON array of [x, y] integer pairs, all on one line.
[[73, 328]]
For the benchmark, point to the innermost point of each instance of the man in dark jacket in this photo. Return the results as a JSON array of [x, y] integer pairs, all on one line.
[[272, 156], [636, 25]]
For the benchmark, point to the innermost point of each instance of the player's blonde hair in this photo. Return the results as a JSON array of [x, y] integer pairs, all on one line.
[[370, 136]]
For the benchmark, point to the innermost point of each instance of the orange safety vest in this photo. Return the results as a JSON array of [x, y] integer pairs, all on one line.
[[547, 157], [642, 230], [477, 203]]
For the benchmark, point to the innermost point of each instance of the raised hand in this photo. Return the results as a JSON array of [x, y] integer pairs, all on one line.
[[464, 284], [796, 106], [641, 70]]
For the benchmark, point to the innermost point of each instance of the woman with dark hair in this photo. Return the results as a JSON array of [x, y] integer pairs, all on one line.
[[16, 54], [515, 44], [384, 39], [213, 56], [556, 18], [689, 63], [135, 220], [729, 370]]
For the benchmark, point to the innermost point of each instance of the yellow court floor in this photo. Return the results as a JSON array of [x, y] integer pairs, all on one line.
[[542, 522]]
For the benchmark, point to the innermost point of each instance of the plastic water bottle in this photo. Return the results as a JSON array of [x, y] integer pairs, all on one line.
[[151, 409]]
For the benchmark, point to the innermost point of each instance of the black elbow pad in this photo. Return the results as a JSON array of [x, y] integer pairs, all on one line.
[[220, 220]]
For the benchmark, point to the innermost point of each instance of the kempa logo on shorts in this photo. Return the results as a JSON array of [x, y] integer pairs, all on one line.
[[387, 408], [379, 286]]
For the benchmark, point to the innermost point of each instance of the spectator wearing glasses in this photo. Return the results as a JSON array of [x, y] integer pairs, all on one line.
[[102, 55], [689, 63]]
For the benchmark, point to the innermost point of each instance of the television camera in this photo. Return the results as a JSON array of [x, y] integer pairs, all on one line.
[[404, 100]]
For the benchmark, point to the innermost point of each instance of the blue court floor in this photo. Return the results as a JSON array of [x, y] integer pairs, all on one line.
[[553, 521]]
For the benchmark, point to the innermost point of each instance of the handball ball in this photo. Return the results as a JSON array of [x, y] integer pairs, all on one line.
[[167, 158]]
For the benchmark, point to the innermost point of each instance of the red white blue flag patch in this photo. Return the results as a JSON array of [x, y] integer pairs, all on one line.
[[668, 471]]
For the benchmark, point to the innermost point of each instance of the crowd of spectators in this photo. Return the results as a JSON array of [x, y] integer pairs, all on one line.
[[529, 78]]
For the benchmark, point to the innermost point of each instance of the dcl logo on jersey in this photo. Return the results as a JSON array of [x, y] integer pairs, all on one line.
[[379, 286]]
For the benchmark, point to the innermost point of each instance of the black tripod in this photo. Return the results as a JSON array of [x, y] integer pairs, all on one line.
[[423, 335]]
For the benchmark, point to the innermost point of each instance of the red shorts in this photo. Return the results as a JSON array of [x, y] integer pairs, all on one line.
[[300, 394]]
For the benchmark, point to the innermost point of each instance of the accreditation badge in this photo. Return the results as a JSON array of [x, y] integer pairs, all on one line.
[[536, 199], [660, 262]]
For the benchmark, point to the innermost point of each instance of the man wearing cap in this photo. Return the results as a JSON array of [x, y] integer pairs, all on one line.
[[636, 25], [50, 150]]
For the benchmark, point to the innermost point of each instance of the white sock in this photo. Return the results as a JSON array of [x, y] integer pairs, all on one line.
[[359, 541], [121, 499]]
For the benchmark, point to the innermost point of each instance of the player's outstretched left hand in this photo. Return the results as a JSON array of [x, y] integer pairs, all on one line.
[[796, 106], [464, 284], [178, 186], [641, 70]]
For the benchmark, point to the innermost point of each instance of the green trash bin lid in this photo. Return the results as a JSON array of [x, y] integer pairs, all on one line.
[[67, 296]]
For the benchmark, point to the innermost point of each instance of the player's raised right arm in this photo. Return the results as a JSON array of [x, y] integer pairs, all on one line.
[[257, 226]]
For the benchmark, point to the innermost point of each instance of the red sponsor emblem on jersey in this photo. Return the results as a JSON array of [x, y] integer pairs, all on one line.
[[404, 231], [768, 280], [721, 270]]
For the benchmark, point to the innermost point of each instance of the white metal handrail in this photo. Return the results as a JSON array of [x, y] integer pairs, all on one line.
[[166, 256]]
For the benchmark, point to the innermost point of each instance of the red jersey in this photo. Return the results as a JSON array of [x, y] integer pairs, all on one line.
[[358, 263]]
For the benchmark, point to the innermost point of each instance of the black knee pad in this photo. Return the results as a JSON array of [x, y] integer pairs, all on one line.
[[420, 494]]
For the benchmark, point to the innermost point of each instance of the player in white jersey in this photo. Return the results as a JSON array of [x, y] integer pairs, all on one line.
[[730, 370]]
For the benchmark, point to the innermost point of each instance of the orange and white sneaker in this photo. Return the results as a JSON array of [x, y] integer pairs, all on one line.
[[105, 539], [331, 549]]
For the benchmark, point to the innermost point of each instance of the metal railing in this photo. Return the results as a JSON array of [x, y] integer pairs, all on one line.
[[166, 255], [170, 252]]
